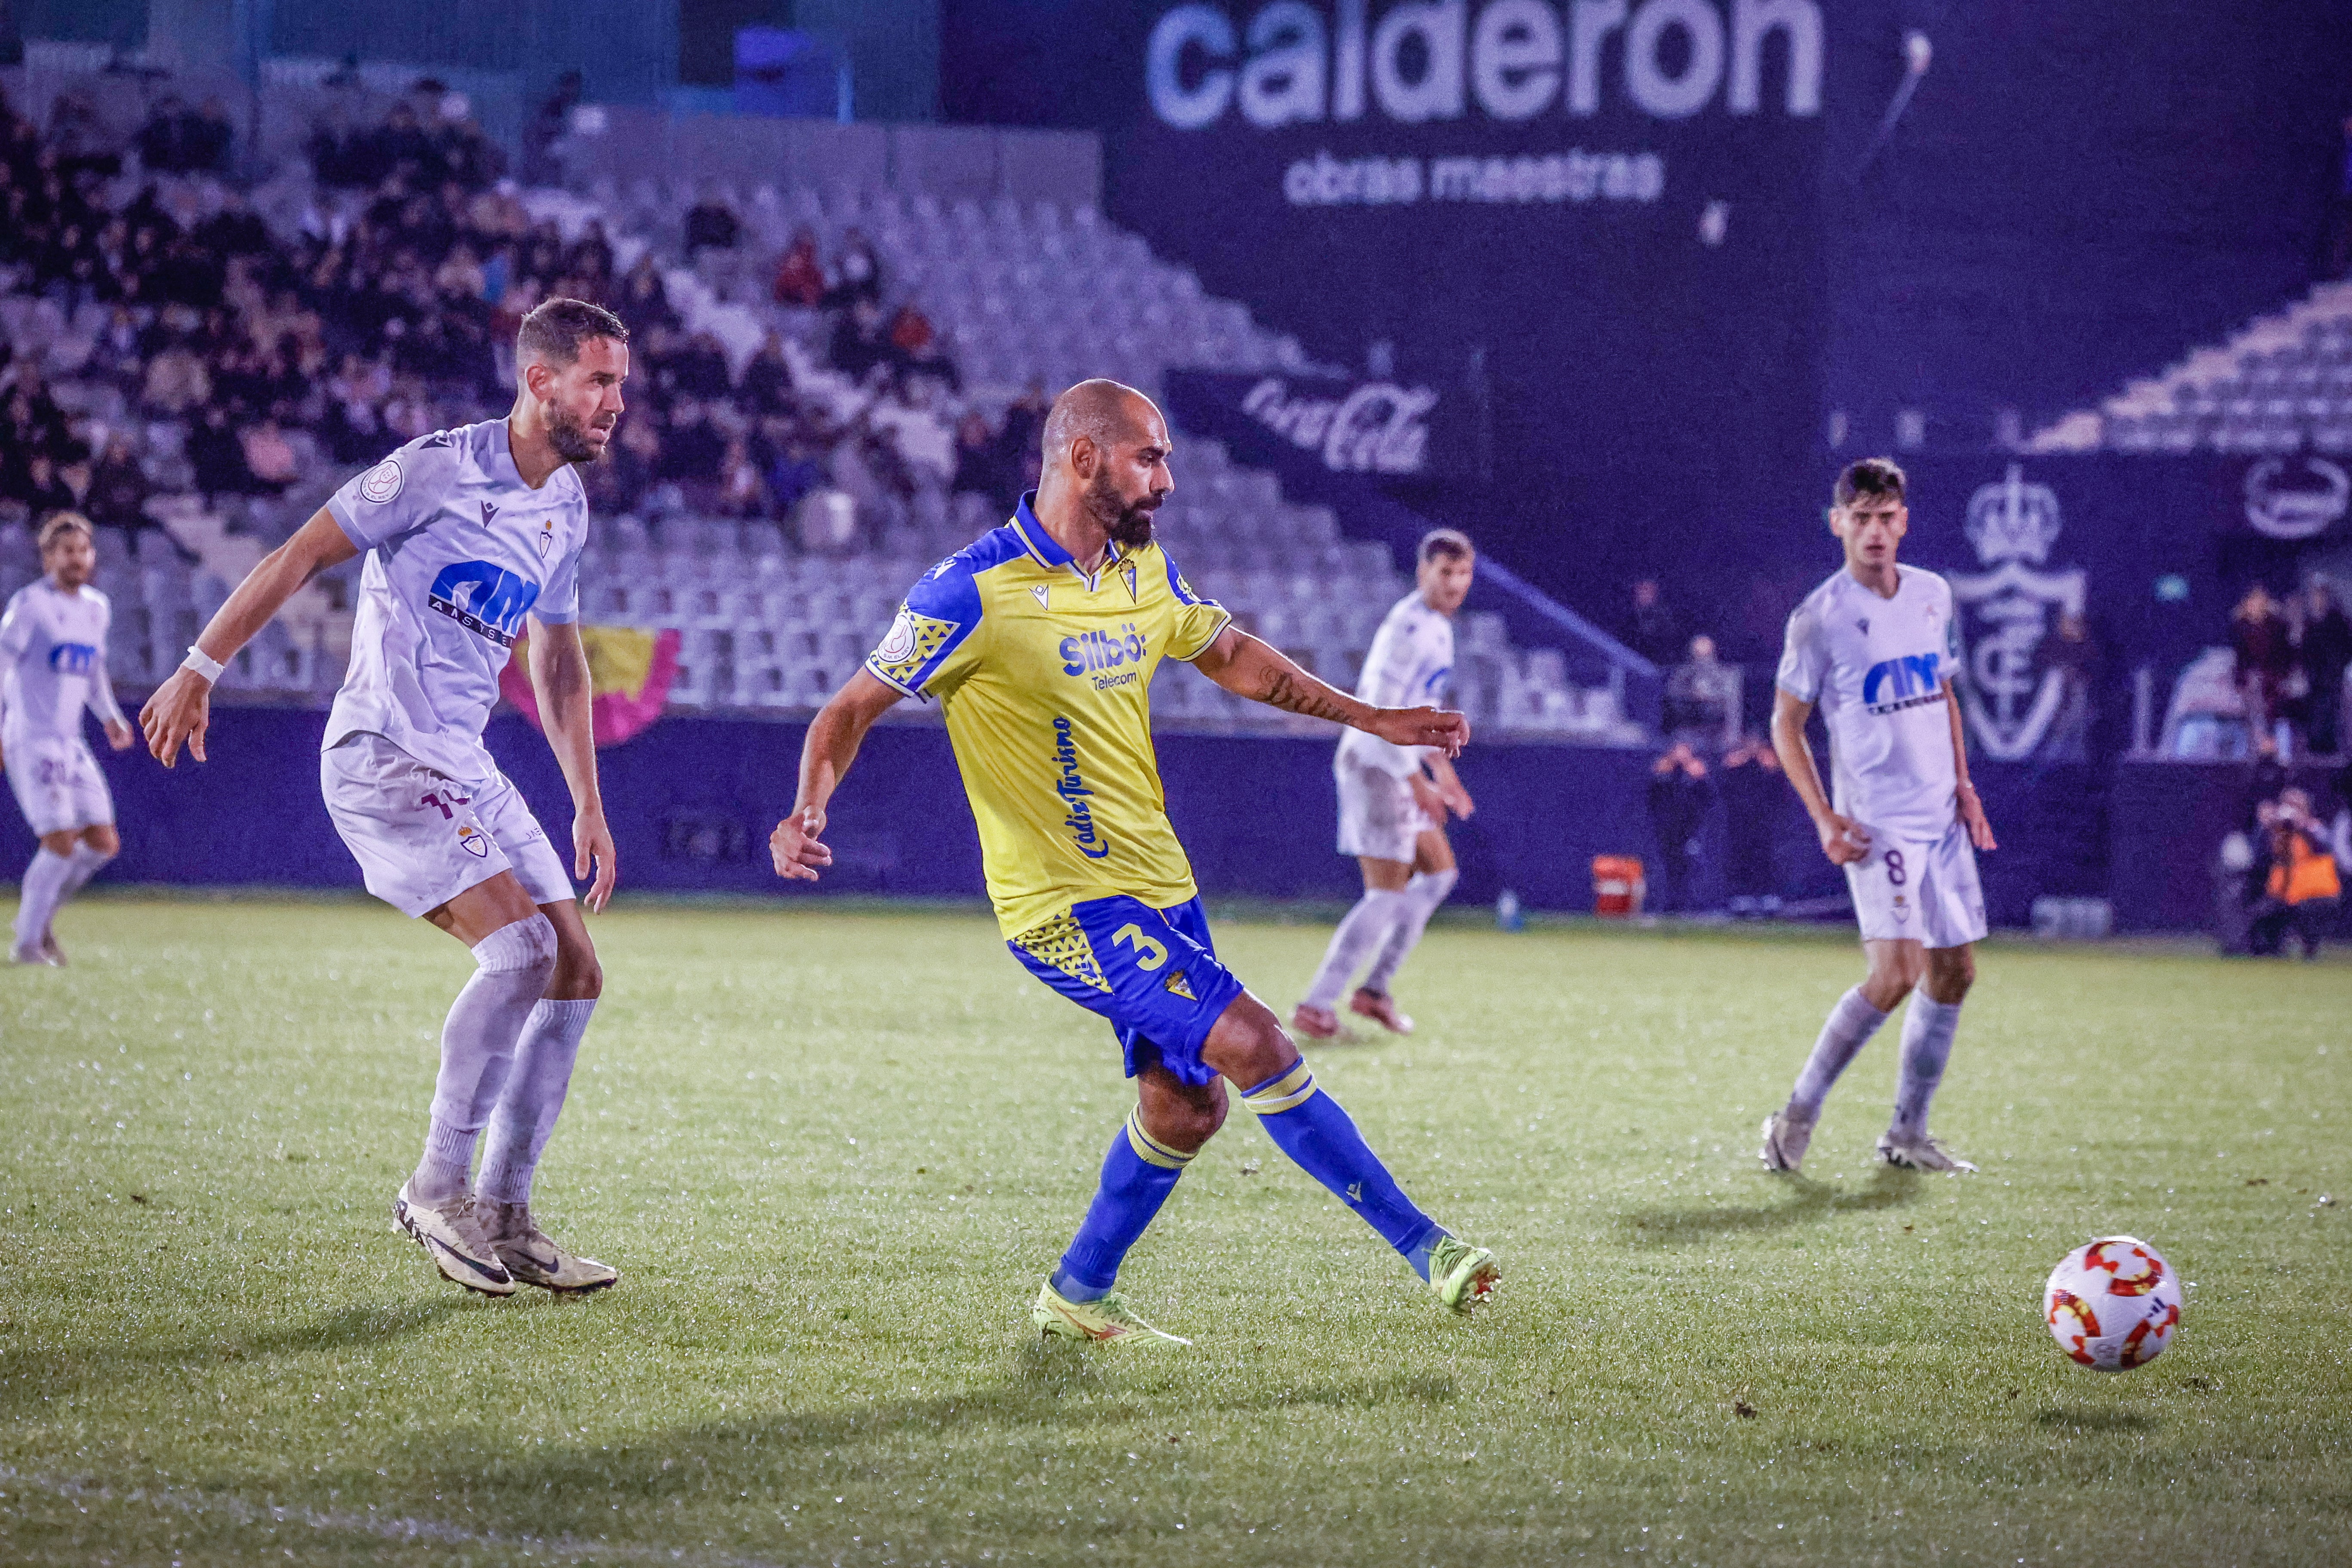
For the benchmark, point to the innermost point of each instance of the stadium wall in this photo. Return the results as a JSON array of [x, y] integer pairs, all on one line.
[[1663, 242]]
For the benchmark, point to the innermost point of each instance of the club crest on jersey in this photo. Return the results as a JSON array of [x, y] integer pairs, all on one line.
[[546, 538], [1127, 575], [1894, 684], [382, 482], [488, 600]]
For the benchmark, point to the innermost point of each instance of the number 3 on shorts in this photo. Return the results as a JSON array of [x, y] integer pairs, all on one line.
[[1148, 954]]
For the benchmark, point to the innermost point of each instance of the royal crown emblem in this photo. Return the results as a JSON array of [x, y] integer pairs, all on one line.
[[2010, 520]]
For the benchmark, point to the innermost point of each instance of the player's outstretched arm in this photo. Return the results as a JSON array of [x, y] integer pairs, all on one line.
[[181, 708], [1841, 840], [1972, 811], [832, 745], [1246, 667], [559, 675]]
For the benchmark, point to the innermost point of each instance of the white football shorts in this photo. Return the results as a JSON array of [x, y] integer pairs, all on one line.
[[58, 786], [1378, 816], [1922, 892], [422, 837]]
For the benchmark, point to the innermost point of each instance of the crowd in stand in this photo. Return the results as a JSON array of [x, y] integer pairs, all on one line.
[[2291, 658], [386, 317]]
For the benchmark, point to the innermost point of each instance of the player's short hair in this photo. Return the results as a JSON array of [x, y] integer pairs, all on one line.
[[554, 330], [62, 523], [1096, 409], [1451, 544], [1869, 477]]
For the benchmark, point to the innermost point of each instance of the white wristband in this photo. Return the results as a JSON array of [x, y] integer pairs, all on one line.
[[204, 664]]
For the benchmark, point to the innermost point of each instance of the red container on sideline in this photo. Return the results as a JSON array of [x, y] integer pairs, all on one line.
[[1618, 886]]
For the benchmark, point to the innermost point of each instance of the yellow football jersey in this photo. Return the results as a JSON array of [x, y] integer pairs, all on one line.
[[1044, 676]]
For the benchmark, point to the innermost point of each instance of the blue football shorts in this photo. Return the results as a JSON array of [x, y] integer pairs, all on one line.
[[1153, 973]]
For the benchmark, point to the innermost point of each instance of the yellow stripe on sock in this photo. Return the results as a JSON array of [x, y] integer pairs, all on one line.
[[1291, 1088], [1150, 1150]]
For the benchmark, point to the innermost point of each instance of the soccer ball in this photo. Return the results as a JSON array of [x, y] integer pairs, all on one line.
[[2113, 1304]]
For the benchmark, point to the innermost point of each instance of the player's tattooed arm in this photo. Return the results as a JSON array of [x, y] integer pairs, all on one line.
[[1250, 667]]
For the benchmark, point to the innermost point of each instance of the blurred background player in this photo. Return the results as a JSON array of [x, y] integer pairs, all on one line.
[[1039, 641], [1877, 648], [52, 666], [1393, 799], [468, 532]]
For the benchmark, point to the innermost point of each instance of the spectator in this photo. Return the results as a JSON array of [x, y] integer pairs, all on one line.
[[858, 341], [799, 276], [2324, 650], [711, 225], [1652, 629], [743, 492], [1701, 698], [118, 487], [218, 458], [269, 455], [1756, 800], [857, 272], [549, 123], [768, 377], [911, 332], [644, 301], [2068, 648], [2301, 887], [2258, 635], [36, 485], [980, 462], [1681, 795], [794, 474]]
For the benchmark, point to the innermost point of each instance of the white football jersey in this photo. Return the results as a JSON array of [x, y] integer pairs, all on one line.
[[1410, 660], [1876, 667], [53, 663], [459, 550]]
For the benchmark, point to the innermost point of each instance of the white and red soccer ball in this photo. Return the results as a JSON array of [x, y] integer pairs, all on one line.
[[2113, 1304]]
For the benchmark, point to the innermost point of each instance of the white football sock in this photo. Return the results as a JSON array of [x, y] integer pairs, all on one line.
[[1927, 1031], [1360, 936], [513, 966], [1422, 896], [86, 862], [44, 890], [533, 1099], [1850, 1023]]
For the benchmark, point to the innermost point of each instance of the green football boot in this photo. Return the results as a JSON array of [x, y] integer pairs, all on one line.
[[1105, 1320], [1463, 1276]]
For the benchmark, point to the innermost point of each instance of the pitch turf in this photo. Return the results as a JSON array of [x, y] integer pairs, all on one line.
[[834, 1153]]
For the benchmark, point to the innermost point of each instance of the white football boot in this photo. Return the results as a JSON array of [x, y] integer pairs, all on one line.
[[531, 1256], [1786, 1139], [452, 1237], [1920, 1153]]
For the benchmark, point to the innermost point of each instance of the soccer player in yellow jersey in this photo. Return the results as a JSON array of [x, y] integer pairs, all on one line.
[[1039, 642]]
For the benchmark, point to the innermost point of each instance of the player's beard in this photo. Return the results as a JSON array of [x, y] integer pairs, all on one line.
[[1129, 523], [568, 437]]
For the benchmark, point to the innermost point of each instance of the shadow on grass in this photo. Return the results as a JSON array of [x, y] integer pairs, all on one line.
[[2095, 1420], [29, 1373], [1053, 1388], [1806, 1201]]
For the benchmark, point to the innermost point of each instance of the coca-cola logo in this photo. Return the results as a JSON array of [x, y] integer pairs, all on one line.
[[1378, 427]]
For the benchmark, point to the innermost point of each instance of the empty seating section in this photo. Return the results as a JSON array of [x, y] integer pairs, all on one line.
[[2282, 386]]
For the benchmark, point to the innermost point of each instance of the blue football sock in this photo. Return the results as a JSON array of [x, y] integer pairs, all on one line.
[[1310, 1127], [1137, 1175]]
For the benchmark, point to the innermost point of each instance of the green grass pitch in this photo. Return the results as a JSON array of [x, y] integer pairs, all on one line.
[[834, 1150]]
